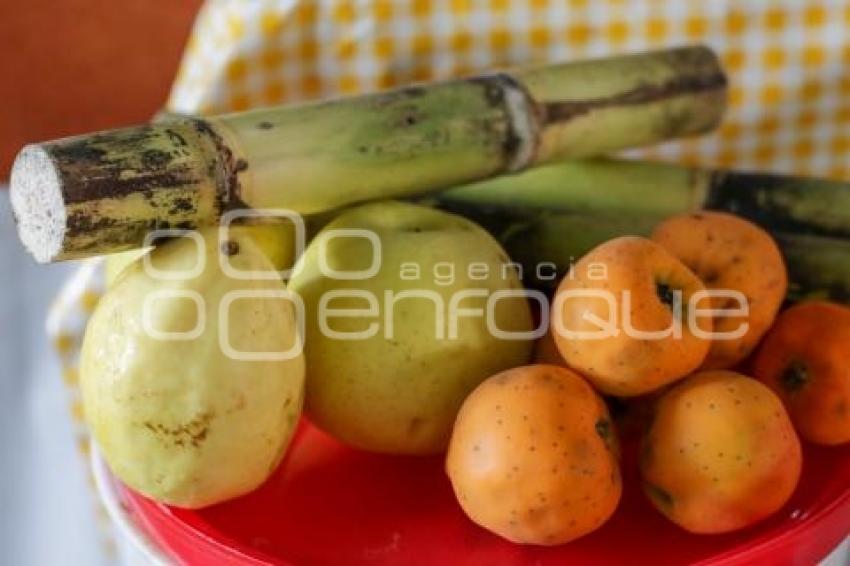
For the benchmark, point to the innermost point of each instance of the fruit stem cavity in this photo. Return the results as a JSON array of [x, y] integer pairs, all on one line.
[[795, 376]]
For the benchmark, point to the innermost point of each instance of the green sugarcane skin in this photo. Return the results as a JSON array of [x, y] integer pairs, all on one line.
[[316, 157], [818, 266], [558, 213], [405, 142], [797, 205], [409, 141], [367, 147], [599, 185]]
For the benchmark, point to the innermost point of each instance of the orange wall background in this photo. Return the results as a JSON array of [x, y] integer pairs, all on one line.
[[73, 66]]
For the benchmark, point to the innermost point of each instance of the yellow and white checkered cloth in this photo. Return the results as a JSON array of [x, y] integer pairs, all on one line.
[[789, 89], [787, 60]]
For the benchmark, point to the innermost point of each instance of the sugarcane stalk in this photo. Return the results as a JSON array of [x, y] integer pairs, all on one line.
[[818, 267], [104, 192], [798, 205], [549, 218]]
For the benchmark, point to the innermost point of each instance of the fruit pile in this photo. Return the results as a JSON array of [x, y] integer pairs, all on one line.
[[404, 329], [534, 457]]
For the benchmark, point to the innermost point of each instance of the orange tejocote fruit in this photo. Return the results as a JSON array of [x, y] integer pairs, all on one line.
[[720, 454], [533, 456], [729, 253], [615, 317], [805, 359]]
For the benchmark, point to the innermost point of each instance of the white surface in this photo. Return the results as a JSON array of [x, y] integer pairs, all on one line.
[[47, 511], [36, 195], [134, 545]]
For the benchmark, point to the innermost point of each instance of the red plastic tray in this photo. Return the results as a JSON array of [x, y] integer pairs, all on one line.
[[329, 504]]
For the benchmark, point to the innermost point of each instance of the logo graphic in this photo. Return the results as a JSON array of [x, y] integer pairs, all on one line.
[[378, 313]]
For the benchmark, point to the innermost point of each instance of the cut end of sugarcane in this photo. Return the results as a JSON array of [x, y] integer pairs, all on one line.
[[37, 203]]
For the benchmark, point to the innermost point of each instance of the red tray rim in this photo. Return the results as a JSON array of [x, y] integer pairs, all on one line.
[[155, 518]]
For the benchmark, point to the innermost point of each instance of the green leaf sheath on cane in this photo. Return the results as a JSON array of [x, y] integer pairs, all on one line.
[[103, 192], [555, 214]]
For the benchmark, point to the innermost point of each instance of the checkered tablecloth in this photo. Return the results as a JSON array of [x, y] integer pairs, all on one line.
[[787, 60]]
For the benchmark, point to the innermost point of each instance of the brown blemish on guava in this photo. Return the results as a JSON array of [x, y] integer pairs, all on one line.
[[193, 432]]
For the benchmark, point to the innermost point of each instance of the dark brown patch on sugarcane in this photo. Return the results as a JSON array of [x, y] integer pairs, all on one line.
[[90, 173], [155, 159], [768, 200], [124, 236], [564, 111], [172, 212], [182, 206], [81, 150], [78, 224], [123, 230], [176, 138], [409, 114]]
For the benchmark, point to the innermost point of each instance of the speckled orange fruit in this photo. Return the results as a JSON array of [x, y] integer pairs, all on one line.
[[533, 456], [729, 253], [605, 308], [805, 359], [720, 454]]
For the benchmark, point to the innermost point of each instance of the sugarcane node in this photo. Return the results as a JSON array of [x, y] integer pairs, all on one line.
[[225, 168], [523, 124]]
